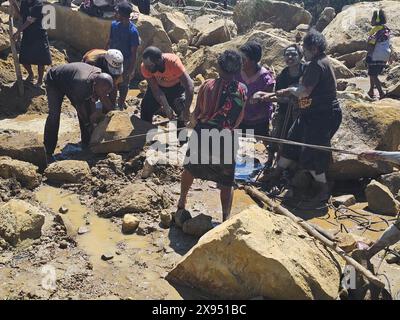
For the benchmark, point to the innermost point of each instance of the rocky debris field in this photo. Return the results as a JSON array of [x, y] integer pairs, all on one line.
[[102, 224]]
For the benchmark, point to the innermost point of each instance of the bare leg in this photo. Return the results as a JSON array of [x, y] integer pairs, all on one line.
[[186, 183], [226, 202], [378, 85], [28, 68], [40, 75], [372, 86]]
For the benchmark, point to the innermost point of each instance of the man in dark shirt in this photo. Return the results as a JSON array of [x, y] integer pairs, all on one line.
[[83, 85], [320, 115]]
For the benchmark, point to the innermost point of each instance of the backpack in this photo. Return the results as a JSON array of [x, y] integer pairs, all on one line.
[[382, 51]]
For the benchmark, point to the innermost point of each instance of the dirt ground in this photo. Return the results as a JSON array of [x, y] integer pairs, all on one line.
[[63, 264]]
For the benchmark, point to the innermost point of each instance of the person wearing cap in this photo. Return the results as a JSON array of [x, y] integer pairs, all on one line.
[[111, 62], [83, 85], [124, 37], [170, 86]]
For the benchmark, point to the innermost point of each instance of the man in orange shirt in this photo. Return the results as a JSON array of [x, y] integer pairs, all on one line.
[[170, 87]]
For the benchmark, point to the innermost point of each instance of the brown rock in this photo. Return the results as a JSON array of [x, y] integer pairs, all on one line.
[[25, 172], [198, 225], [345, 200], [381, 200], [130, 223], [245, 257], [67, 171]]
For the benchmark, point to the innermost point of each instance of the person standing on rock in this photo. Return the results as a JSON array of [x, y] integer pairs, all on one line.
[[319, 119], [124, 37], [109, 61], [83, 85], [287, 109], [170, 88], [256, 78], [35, 48], [379, 51], [219, 110]]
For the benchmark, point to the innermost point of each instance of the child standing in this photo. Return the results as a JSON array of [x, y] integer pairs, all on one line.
[[379, 51]]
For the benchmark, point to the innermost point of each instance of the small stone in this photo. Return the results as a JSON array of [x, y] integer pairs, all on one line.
[[181, 216], [83, 230], [198, 226], [107, 256], [63, 210], [345, 200], [63, 245], [118, 253], [130, 223], [166, 219]]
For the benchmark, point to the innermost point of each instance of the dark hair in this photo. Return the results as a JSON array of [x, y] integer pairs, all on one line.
[[124, 8], [297, 47], [315, 39], [230, 62], [152, 53], [252, 50], [379, 15]]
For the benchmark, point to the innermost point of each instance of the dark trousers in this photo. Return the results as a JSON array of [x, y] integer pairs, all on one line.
[[55, 98], [150, 106], [317, 128]]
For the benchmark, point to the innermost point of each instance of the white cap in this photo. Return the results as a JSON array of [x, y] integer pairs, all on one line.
[[115, 61]]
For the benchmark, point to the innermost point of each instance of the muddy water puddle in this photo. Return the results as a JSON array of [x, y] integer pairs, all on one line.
[[103, 236], [136, 269]]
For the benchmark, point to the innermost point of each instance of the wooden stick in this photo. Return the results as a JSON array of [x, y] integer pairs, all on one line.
[[17, 66], [278, 209]]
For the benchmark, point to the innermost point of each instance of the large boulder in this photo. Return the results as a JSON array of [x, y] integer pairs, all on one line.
[[176, 25], [351, 60], [84, 32], [341, 71], [213, 33], [273, 43], [348, 31], [281, 14], [135, 198], [206, 58], [200, 22], [20, 220], [26, 173], [24, 146], [325, 18], [380, 199], [67, 171], [109, 134], [257, 253], [365, 126], [392, 181]]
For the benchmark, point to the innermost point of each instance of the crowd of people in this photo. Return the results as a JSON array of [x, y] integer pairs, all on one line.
[[299, 104]]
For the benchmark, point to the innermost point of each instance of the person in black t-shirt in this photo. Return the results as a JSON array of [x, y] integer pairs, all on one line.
[[319, 119]]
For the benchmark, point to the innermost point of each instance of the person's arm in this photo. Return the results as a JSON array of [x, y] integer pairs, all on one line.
[[132, 63], [27, 23], [187, 83], [160, 97]]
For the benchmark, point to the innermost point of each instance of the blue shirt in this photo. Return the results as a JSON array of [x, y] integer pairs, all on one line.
[[124, 38]]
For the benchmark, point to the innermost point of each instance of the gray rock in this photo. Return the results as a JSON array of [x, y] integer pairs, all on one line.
[[392, 181], [166, 219], [63, 210], [380, 199], [345, 200], [181, 216], [198, 226], [83, 230]]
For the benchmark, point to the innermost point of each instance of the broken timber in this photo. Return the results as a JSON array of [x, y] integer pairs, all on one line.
[[278, 209], [20, 83]]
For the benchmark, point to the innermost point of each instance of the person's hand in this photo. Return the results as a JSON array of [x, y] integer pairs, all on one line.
[[283, 93], [261, 96], [169, 113], [368, 156], [16, 36]]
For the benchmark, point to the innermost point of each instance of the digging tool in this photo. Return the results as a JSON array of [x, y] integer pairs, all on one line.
[[17, 66], [278, 209]]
